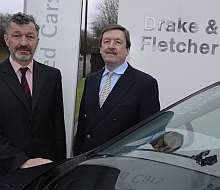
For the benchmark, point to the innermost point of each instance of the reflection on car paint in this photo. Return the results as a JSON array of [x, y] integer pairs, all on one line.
[[140, 178]]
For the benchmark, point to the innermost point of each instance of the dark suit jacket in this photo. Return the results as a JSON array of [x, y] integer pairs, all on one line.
[[134, 98], [31, 131]]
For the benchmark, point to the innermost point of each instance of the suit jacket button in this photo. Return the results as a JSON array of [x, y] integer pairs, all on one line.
[[114, 119], [88, 136]]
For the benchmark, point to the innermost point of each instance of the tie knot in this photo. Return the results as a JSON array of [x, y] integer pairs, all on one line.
[[23, 70], [109, 74]]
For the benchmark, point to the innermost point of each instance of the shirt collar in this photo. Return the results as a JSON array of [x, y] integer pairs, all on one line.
[[118, 70], [16, 66]]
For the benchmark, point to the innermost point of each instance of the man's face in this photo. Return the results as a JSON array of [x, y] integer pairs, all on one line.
[[22, 41], [113, 48]]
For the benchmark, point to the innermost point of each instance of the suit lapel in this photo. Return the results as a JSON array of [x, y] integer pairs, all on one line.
[[93, 91], [119, 92], [37, 83], [11, 79]]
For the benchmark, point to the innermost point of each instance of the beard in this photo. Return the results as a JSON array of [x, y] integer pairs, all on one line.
[[23, 58]]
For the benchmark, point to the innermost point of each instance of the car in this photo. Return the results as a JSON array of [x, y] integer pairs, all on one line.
[[177, 148]]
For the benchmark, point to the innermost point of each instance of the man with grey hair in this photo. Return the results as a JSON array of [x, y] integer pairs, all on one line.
[[32, 130]]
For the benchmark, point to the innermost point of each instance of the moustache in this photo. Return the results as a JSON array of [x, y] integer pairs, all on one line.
[[111, 52], [23, 48]]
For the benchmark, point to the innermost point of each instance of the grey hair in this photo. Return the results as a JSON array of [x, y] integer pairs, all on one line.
[[20, 19]]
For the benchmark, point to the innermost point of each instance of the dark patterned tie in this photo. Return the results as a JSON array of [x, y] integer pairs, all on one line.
[[24, 84]]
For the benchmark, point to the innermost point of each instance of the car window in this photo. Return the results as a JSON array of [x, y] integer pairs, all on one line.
[[208, 124], [189, 130]]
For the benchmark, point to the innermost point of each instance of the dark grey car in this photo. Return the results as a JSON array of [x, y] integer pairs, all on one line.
[[177, 148]]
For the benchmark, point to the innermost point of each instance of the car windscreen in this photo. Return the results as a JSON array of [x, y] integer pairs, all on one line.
[[190, 129]]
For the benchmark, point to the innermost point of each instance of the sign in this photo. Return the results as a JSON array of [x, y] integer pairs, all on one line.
[[59, 46], [176, 41]]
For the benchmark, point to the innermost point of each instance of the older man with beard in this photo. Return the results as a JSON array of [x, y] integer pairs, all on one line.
[[32, 128], [115, 98]]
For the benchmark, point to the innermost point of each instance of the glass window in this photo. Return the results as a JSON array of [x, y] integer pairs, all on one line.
[[187, 135]]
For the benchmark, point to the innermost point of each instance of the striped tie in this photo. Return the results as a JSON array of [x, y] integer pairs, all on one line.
[[106, 89]]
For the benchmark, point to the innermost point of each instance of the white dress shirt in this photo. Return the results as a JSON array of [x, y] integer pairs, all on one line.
[[117, 73]]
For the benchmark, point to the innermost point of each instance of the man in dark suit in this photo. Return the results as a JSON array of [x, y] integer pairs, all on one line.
[[32, 130], [133, 94]]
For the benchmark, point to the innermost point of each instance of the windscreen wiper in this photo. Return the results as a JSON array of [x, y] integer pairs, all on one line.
[[204, 161], [199, 158]]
